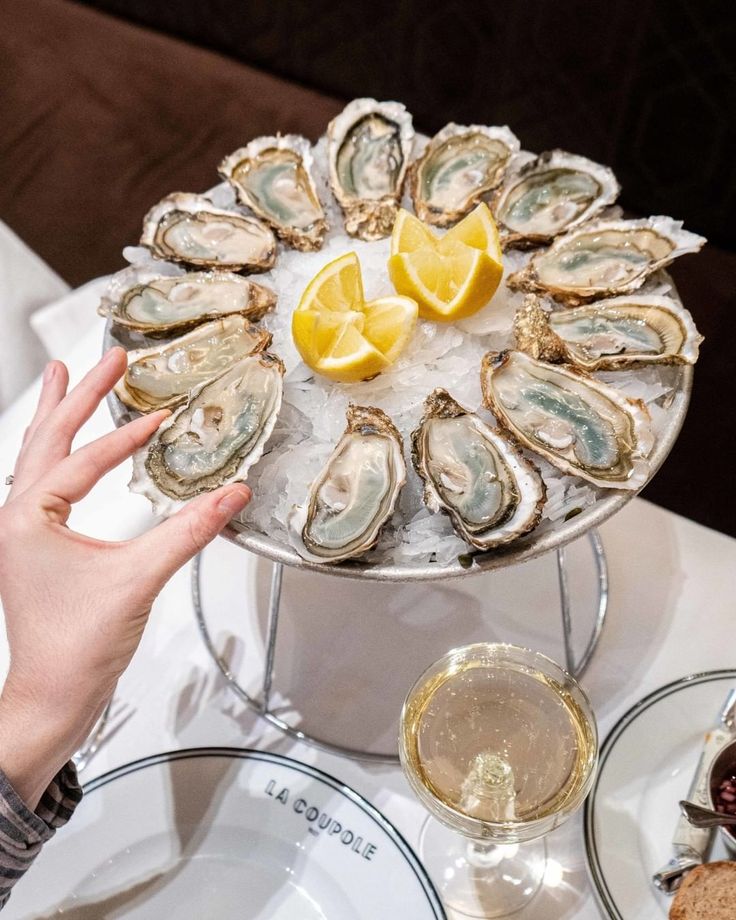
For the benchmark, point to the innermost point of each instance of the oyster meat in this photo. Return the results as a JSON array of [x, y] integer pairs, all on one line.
[[368, 148], [582, 426], [189, 229], [355, 493], [475, 474], [273, 177], [626, 331], [159, 305], [459, 167], [215, 438], [605, 257], [162, 377], [549, 195]]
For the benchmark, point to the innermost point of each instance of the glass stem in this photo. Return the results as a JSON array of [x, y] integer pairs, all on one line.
[[483, 855], [480, 849]]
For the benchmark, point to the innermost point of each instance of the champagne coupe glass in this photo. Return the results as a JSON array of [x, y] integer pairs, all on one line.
[[500, 745]]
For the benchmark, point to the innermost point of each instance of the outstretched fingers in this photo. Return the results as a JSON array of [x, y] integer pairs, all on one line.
[[52, 439], [74, 476], [166, 548], [53, 390]]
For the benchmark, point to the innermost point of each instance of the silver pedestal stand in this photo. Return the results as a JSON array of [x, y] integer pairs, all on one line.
[[261, 704], [536, 544], [553, 540]]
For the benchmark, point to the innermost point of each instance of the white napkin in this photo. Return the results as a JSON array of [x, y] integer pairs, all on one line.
[[61, 324], [26, 283]]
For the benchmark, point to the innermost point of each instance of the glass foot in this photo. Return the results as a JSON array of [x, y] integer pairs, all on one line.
[[482, 880]]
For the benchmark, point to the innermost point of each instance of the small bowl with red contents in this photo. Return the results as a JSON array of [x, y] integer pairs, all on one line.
[[722, 790]]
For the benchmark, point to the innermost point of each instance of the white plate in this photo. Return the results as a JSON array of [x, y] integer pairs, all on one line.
[[646, 766], [225, 833]]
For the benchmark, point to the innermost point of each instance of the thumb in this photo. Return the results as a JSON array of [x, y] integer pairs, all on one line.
[[171, 544]]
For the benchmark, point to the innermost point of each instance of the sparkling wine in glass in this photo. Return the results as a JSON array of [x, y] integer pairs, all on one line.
[[500, 745]]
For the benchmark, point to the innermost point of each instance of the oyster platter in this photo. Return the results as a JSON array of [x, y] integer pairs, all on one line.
[[424, 355]]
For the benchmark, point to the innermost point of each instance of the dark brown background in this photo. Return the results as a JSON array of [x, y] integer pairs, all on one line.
[[103, 114]]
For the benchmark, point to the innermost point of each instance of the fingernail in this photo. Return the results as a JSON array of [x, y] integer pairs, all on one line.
[[48, 374], [234, 500], [111, 355]]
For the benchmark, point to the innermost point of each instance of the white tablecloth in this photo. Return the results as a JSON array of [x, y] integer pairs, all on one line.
[[348, 652]]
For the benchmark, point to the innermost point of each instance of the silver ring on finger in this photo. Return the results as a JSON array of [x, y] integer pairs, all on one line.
[[9, 479]]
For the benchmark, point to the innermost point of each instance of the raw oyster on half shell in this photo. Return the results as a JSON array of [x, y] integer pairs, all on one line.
[[626, 331], [162, 377], [159, 305], [475, 474], [582, 426], [355, 493], [459, 167], [605, 257], [215, 438], [549, 195], [189, 229], [368, 149], [273, 177]]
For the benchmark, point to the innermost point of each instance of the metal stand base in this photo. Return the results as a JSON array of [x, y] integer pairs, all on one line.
[[262, 705]]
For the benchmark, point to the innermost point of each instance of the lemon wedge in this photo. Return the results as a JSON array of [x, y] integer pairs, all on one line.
[[477, 230], [453, 276], [339, 334]]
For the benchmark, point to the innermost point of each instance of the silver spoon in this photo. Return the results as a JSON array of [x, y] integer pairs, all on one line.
[[704, 817]]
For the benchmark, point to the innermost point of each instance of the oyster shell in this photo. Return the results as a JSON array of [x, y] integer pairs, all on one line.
[[162, 377], [355, 493], [605, 257], [215, 438], [159, 305], [534, 336], [273, 177], [582, 426], [549, 195], [458, 168], [626, 331], [475, 474], [189, 229], [368, 149]]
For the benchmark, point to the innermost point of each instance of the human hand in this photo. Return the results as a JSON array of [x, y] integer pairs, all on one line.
[[75, 607]]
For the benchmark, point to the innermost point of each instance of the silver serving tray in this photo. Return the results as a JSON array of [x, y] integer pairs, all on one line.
[[521, 550]]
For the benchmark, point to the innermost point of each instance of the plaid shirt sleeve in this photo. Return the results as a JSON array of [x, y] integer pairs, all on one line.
[[23, 832]]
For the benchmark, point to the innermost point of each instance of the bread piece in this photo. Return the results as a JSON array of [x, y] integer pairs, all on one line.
[[707, 893]]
